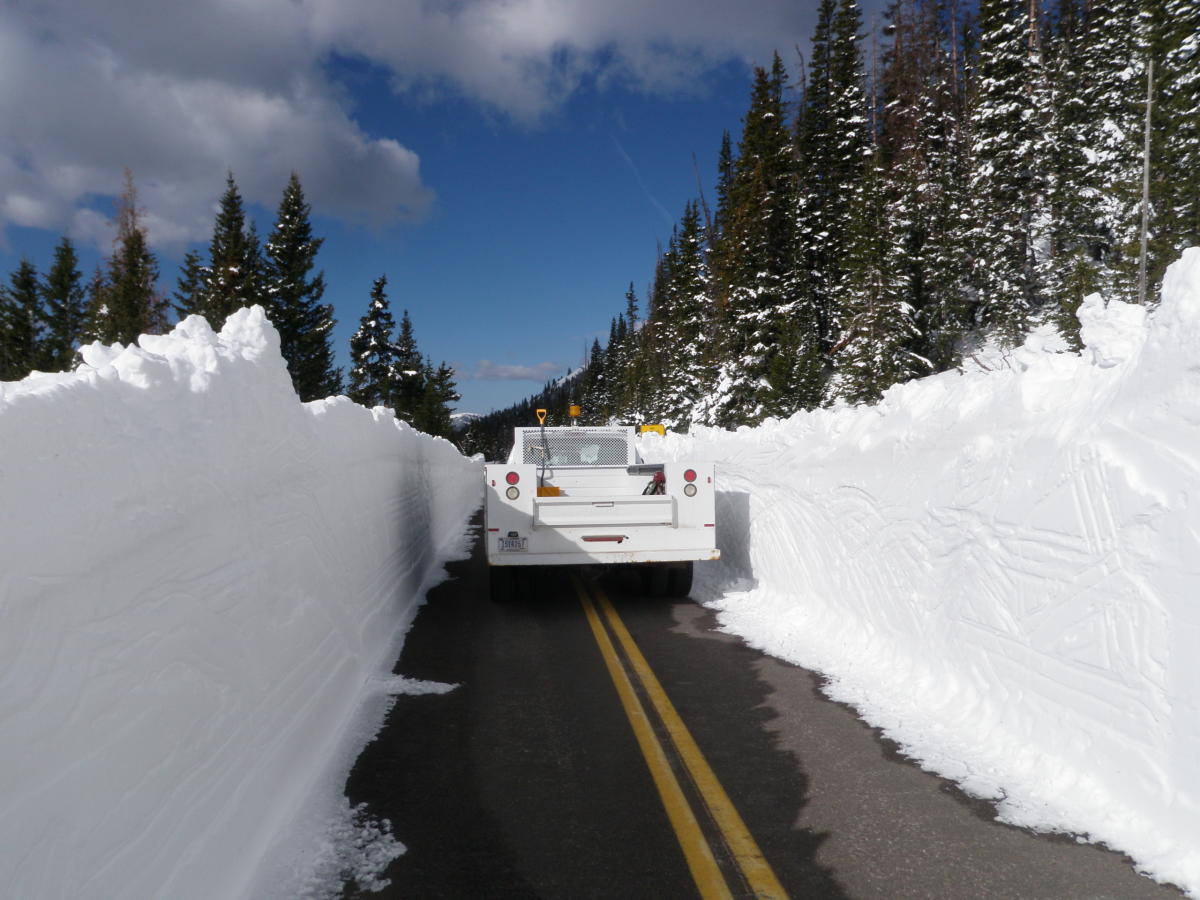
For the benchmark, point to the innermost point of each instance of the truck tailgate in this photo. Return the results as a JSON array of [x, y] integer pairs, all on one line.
[[558, 512]]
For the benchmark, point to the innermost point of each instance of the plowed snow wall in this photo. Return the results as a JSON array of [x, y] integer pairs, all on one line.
[[197, 572], [1001, 567]]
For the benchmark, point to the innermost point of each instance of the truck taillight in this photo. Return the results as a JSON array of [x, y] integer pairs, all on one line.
[[513, 477], [689, 475]]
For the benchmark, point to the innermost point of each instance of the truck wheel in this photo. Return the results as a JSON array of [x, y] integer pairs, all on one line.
[[679, 579], [656, 579], [502, 583]]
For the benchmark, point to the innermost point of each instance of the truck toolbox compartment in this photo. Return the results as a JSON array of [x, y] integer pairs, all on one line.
[[557, 512]]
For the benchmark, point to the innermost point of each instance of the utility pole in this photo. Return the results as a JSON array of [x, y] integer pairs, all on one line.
[[1146, 186]]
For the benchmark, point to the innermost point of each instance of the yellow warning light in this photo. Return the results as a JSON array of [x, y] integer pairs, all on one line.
[[541, 414], [657, 429], [573, 411]]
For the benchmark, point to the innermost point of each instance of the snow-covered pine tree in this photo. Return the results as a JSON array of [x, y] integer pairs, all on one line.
[[65, 311], [1067, 269], [877, 318], [1113, 88], [1007, 186], [922, 145], [754, 282], [20, 323], [815, 239], [831, 142], [372, 351], [1171, 34], [651, 347], [305, 324], [691, 354]]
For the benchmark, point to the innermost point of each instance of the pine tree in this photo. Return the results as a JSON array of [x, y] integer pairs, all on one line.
[[408, 386], [615, 371], [631, 308], [724, 182], [438, 400], [688, 361], [1170, 31], [8, 364], [305, 324], [372, 352], [1007, 182], [225, 278], [255, 274], [131, 295], [20, 323], [923, 145], [96, 309], [189, 290], [628, 359], [878, 322], [1112, 87], [754, 283], [832, 143], [126, 303], [1068, 270], [595, 394], [65, 312]]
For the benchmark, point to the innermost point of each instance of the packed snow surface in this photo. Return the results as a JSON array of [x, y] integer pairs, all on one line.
[[201, 578], [1001, 568]]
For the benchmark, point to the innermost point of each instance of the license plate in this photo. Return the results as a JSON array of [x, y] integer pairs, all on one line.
[[513, 543]]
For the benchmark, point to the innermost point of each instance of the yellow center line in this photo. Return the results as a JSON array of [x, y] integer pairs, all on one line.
[[750, 860], [699, 856]]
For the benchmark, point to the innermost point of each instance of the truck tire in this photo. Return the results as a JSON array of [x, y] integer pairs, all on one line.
[[656, 579], [502, 582], [679, 579]]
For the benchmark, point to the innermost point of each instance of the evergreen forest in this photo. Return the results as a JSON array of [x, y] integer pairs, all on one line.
[[897, 199], [894, 200], [44, 319]]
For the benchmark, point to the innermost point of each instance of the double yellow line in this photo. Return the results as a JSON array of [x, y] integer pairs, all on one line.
[[706, 872]]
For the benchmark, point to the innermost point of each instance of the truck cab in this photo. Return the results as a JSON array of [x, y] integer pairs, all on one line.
[[582, 495]]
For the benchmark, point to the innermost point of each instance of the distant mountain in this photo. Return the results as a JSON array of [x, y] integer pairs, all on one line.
[[460, 422]]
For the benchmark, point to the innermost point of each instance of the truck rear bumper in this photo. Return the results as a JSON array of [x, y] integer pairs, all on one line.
[[579, 558]]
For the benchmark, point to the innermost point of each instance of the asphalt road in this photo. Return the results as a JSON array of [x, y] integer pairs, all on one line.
[[529, 779]]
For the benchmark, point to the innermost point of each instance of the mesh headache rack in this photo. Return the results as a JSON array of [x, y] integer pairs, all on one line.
[[575, 447]]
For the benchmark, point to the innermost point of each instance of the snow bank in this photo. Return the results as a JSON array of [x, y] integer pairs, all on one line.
[[198, 574], [1001, 568]]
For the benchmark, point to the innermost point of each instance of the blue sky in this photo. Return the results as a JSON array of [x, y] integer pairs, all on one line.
[[510, 165]]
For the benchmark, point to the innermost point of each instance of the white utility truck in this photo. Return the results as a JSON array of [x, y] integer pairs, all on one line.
[[582, 495]]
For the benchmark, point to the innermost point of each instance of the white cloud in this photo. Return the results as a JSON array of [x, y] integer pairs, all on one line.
[[490, 371], [525, 56], [182, 91], [77, 109]]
